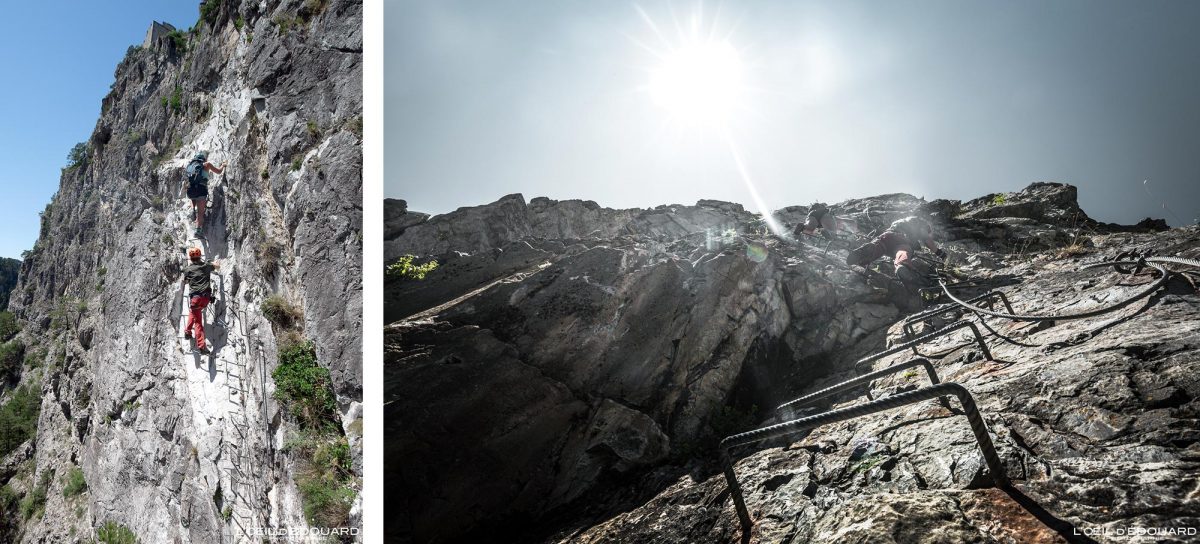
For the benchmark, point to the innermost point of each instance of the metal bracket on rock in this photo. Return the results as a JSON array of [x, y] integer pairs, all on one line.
[[970, 410], [858, 366], [812, 398], [911, 320]]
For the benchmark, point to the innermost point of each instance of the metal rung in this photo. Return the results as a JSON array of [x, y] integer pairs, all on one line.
[[922, 339], [978, 426], [913, 319], [812, 398]]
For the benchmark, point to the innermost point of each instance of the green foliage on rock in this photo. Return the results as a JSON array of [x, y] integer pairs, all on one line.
[[114, 533], [12, 354], [180, 40], [75, 483], [77, 156], [209, 10], [176, 101], [404, 269], [18, 418], [304, 386], [9, 268], [324, 466], [35, 502], [8, 326], [280, 312]]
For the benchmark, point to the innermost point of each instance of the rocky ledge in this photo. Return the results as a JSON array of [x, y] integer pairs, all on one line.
[[566, 371]]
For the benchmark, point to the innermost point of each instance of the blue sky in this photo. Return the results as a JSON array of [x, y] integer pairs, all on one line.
[[58, 61], [938, 98]]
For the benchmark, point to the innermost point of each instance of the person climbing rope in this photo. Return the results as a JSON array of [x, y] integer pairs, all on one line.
[[197, 277], [196, 178], [900, 240], [820, 218]]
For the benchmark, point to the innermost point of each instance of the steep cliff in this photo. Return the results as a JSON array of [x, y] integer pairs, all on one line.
[[565, 372], [132, 435]]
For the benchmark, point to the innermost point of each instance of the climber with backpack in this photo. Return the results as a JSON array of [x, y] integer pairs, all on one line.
[[195, 176], [822, 219], [196, 275], [901, 240]]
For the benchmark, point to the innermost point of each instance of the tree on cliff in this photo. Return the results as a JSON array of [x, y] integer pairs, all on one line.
[[8, 279]]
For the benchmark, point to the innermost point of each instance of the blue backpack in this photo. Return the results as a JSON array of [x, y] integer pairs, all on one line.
[[195, 174]]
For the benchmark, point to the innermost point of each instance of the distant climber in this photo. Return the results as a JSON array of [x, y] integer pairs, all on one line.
[[196, 179], [900, 240], [822, 219], [197, 277]]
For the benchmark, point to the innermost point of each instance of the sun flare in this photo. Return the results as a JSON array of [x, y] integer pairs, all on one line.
[[698, 81]]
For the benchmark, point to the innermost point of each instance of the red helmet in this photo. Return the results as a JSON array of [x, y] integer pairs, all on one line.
[[194, 253]]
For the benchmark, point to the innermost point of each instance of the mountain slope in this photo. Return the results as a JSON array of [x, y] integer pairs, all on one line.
[[566, 371], [181, 447]]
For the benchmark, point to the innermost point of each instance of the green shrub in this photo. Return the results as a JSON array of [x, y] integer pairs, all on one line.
[[18, 418], [280, 312], [313, 130], [355, 126], [404, 268], [297, 162], [10, 502], [303, 387], [326, 503], [35, 503], [269, 254], [180, 40], [77, 156], [12, 354], [311, 9], [8, 326], [74, 482], [35, 358], [334, 457], [239, 22], [113, 533], [999, 199], [176, 101], [208, 11]]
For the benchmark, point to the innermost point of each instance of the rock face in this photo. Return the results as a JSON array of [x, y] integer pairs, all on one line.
[[184, 448], [543, 386]]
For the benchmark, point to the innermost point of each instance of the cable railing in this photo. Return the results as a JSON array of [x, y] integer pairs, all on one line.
[[858, 365], [970, 410], [789, 408], [987, 297]]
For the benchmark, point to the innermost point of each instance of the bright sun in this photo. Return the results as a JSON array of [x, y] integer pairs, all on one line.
[[698, 82]]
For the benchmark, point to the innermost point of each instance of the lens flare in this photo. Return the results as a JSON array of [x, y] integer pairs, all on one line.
[[756, 252]]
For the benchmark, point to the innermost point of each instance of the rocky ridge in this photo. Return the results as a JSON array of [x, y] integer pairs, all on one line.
[[184, 448], [565, 371]]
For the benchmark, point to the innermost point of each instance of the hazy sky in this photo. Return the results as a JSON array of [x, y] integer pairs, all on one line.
[[836, 100], [58, 60]]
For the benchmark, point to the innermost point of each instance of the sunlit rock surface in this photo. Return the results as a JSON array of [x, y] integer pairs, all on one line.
[[175, 447], [504, 365]]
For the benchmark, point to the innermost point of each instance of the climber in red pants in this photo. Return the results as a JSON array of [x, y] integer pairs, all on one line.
[[899, 241], [197, 276]]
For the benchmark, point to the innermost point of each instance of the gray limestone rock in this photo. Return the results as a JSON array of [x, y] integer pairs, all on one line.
[[630, 332], [179, 447]]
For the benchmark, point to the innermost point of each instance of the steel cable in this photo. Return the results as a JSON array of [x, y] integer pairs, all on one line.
[[1156, 285]]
